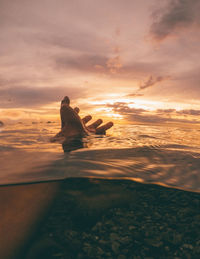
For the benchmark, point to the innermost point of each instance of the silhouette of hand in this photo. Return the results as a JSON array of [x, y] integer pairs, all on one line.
[[73, 126]]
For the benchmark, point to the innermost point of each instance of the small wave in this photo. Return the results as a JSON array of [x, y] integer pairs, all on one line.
[[146, 136], [6, 148]]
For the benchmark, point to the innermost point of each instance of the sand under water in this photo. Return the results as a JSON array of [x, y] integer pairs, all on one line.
[[131, 194]]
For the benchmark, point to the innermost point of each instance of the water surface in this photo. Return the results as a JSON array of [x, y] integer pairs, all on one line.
[[166, 155]]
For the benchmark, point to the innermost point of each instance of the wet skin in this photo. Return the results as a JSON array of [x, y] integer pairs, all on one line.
[[74, 128]]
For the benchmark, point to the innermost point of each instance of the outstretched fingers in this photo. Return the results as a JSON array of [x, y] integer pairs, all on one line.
[[70, 116], [76, 109], [86, 119], [95, 124], [102, 129]]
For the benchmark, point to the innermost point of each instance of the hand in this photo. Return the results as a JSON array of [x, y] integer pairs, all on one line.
[[94, 127], [73, 127]]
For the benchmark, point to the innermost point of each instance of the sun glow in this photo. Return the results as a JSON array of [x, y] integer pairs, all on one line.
[[125, 110], [138, 103], [108, 112], [131, 103]]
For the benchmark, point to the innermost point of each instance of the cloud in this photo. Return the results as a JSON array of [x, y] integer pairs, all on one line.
[[29, 97], [158, 116], [114, 64], [134, 95], [94, 53], [103, 42], [168, 111], [189, 112], [178, 15], [137, 115], [90, 63], [76, 41], [139, 69], [123, 108], [85, 63], [151, 82], [111, 66]]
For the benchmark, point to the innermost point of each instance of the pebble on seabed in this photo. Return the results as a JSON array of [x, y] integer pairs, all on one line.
[[166, 228]]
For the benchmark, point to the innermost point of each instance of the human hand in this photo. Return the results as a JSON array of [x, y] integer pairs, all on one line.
[[95, 127], [73, 126], [69, 116]]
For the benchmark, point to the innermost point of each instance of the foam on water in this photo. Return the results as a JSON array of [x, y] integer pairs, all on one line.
[[149, 154]]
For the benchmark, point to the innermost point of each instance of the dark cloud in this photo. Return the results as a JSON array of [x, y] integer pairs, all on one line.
[[34, 97], [180, 112], [110, 66], [143, 67], [159, 116], [85, 63], [151, 81], [122, 108], [90, 63], [178, 15], [134, 95], [189, 112], [168, 111]]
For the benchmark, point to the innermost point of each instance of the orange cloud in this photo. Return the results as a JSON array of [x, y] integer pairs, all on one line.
[[114, 64]]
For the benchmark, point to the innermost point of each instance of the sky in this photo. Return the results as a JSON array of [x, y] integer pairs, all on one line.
[[136, 60]]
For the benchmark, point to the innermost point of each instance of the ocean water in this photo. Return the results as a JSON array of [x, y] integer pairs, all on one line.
[[161, 154]]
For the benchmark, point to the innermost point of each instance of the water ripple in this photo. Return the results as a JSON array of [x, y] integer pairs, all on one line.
[[149, 154]]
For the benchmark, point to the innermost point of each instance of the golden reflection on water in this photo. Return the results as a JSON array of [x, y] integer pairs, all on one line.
[[36, 135], [150, 153]]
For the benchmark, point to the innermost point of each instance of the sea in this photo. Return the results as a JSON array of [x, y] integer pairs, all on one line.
[[167, 155]]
